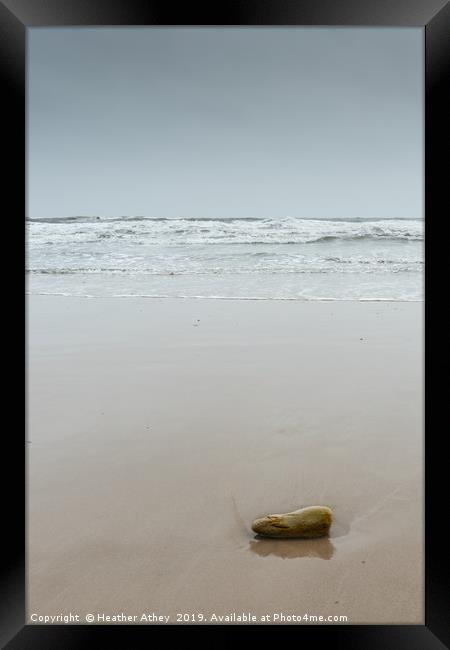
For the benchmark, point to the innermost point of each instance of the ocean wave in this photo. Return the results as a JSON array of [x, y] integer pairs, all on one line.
[[247, 258], [242, 231], [95, 218], [276, 267], [160, 296]]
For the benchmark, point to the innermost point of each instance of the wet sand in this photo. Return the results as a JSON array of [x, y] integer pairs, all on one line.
[[159, 429]]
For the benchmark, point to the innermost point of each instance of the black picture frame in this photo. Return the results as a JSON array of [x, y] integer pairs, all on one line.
[[434, 16]]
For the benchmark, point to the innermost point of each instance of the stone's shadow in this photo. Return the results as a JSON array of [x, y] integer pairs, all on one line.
[[291, 548]]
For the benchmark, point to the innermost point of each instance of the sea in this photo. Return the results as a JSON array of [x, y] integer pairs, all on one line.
[[226, 258]]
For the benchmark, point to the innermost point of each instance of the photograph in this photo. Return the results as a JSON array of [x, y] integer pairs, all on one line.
[[225, 325]]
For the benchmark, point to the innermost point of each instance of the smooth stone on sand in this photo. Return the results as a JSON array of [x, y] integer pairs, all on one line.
[[314, 521]]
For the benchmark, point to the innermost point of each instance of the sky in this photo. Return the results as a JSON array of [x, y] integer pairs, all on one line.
[[225, 122]]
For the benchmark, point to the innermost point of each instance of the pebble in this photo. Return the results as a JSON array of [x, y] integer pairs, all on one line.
[[313, 521]]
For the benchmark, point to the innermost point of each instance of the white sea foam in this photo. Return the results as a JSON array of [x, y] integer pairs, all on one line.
[[243, 258], [168, 232]]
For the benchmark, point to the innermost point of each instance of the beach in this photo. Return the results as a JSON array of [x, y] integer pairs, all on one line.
[[158, 429]]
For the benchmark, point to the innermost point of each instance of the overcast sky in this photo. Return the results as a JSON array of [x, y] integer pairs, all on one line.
[[223, 122]]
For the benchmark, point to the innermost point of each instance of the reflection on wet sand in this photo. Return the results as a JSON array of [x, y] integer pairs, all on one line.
[[291, 548], [340, 527]]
